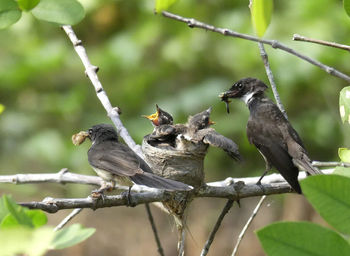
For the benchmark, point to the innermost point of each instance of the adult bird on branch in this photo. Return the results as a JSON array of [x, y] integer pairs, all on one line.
[[271, 132], [114, 161]]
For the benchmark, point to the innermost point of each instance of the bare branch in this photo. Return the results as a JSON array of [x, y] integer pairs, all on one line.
[[212, 234], [74, 213], [330, 164], [91, 72], [244, 230], [154, 229], [64, 176], [265, 59], [192, 23], [297, 37]]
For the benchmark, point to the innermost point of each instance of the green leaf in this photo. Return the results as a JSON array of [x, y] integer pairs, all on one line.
[[71, 235], [347, 6], [2, 108], [162, 5], [3, 210], [302, 239], [25, 241], [330, 196], [344, 104], [38, 217], [344, 171], [9, 13], [17, 212], [344, 154], [27, 5], [62, 12], [261, 12]]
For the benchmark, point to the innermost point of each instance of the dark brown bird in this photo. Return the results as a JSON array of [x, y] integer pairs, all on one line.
[[271, 132], [114, 161]]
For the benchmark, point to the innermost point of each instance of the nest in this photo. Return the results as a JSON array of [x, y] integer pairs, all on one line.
[[183, 166]]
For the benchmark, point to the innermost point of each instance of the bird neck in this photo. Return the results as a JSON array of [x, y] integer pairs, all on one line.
[[255, 100]]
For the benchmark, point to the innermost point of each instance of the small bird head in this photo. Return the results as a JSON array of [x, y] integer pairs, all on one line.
[[102, 132], [160, 117], [201, 120], [244, 89]]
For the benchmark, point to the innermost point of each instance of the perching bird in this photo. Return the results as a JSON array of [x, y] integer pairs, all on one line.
[[271, 132], [114, 161]]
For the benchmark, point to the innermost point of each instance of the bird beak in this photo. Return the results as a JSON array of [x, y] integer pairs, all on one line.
[[211, 122], [224, 96], [153, 118], [79, 137]]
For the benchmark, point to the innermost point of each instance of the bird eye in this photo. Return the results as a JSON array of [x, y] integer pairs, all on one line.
[[90, 131], [239, 85]]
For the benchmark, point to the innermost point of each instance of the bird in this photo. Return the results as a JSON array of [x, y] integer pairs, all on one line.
[[114, 161], [164, 132], [197, 129], [271, 133], [187, 137]]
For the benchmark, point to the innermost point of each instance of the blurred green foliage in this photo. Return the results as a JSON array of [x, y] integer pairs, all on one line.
[[22, 231], [146, 59]]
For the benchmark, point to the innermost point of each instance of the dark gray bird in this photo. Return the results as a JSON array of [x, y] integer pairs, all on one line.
[[197, 129], [271, 132], [164, 132], [114, 161]]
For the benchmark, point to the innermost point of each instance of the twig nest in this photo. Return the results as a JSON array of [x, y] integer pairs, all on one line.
[[180, 165]]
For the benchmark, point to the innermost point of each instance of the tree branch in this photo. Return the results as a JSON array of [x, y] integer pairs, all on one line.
[[212, 234], [297, 37], [265, 59], [91, 72], [74, 213], [192, 23], [244, 230], [154, 229]]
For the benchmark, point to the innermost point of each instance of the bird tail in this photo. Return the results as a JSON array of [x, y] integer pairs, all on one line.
[[307, 167], [154, 181]]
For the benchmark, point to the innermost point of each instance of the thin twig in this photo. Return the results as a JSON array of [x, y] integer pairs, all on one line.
[[241, 235], [181, 241], [154, 229], [297, 37], [192, 23], [208, 243], [67, 219], [91, 72], [265, 59], [330, 164]]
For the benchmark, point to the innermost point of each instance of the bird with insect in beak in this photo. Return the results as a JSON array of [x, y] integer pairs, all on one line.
[[114, 161], [271, 133]]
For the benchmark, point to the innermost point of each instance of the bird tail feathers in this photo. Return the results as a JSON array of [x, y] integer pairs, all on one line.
[[154, 181]]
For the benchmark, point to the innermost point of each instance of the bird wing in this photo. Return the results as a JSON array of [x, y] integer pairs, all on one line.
[[213, 138], [163, 132], [268, 138], [116, 158]]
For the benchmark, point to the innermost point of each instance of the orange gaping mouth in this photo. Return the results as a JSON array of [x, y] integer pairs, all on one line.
[[154, 118]]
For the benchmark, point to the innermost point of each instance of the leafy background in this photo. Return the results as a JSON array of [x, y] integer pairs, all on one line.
[[145, 59]]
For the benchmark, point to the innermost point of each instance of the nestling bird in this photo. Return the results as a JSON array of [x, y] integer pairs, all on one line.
[[197, 129], [186, 137], [116, 162], [271, 132], [164, 132]]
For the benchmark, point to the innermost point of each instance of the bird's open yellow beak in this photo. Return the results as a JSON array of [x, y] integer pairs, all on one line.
[[154, 117]]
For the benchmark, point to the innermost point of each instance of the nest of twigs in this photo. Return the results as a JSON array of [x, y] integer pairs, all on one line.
[[171, 163]]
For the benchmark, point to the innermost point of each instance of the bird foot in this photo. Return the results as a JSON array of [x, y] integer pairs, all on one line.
[[97, 195], [127, 196]]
